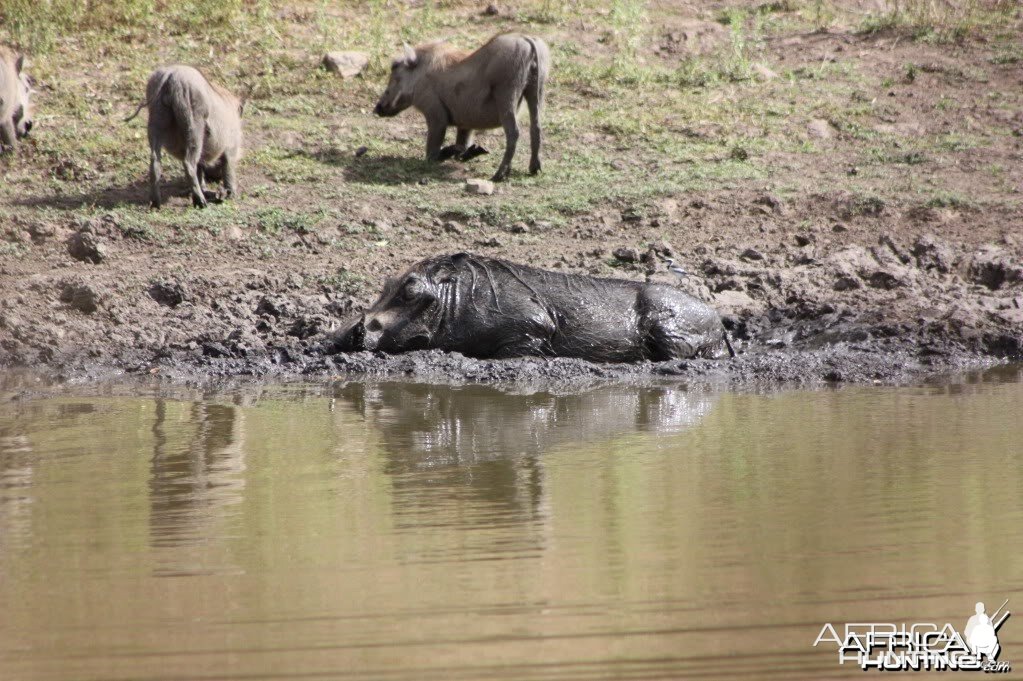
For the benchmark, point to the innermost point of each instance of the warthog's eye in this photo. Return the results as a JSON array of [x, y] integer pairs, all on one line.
[[413, 288]]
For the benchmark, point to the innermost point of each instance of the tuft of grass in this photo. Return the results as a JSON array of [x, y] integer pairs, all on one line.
[[938, 21]]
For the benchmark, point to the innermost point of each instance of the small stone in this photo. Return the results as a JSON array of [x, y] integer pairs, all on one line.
[[764, 73], [234, 233], [491, 242], [820, 129], [804, 239], [751, 254], [482, 187], [838, 228], [626, 254], [452, 227], [361, 151], [423, 182], [618, 164], [87, 247], [346, 64], [519, 228], [492, 10]]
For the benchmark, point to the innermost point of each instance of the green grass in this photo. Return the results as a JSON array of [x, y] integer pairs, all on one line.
[[623, 127]]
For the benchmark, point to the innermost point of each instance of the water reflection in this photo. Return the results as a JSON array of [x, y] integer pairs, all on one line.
[[193, 479], [489, 441], [402, 531]]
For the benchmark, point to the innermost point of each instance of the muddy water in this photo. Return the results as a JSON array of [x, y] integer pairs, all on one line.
[[403, 531]]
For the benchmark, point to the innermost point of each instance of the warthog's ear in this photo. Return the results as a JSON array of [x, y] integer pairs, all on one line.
[[411, 58], [20, 63]]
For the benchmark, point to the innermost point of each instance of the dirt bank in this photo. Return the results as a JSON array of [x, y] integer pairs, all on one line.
[[848, 198]]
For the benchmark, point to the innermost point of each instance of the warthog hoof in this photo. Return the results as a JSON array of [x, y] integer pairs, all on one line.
[[451, 151], [501, 175], [198, 201], [472, 152], [534, 166]]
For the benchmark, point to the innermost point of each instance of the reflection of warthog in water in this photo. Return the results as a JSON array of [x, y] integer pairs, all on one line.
[[196, 121], [490, 440], [483, 307], [476, 91], [194, 476], [15, 90]]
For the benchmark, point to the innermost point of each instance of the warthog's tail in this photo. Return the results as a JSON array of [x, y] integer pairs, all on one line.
[[538, 67], [150, 100]]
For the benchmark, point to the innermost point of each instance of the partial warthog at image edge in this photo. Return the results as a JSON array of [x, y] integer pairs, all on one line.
[[196, 121], [15, 91], [472, 91], [489, 308]]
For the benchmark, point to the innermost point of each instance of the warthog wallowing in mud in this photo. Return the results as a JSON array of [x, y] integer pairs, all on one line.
[[15, 90], [483, 307], [472, 91], [198, 122]]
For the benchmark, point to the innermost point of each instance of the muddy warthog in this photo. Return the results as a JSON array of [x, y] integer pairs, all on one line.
[[472, 91], [196, 121], [483, 307], [15, 90]]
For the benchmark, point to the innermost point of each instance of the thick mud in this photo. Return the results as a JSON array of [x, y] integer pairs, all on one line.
[[799, 311]]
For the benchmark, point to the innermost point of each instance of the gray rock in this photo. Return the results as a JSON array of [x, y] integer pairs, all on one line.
[[482, 187], [346, 64]]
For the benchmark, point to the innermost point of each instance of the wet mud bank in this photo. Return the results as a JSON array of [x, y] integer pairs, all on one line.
[[798, 312]]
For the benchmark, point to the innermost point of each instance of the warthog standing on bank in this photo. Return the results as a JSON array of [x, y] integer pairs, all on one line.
[[198, 122], [476, 91], [15, 89], [483, 307]]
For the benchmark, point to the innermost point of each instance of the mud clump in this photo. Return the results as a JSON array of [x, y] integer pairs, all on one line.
[[81, 297], [86, 246]]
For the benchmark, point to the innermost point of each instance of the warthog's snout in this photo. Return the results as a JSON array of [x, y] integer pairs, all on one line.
[[28, 128], [378, 110]]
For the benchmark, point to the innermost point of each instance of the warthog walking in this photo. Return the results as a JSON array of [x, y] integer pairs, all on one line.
[[196, 121], [484, 307], [15, 90], [472, 91]]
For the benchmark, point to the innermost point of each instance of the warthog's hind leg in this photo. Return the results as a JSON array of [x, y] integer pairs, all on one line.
[[511, 138], [155, 169], [534, 99]]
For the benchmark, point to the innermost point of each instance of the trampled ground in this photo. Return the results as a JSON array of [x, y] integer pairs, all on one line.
[[833, 173]]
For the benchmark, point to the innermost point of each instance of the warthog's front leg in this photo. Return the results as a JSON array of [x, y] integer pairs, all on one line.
[[230, 179], [435, 132], [7, 136], [511, 138]]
